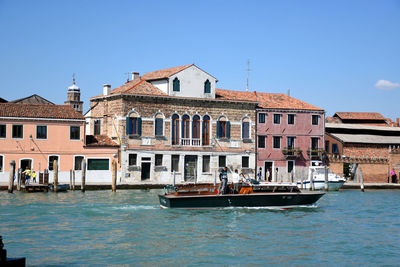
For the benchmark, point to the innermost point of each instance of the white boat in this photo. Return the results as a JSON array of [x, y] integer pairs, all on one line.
[[335, 182]]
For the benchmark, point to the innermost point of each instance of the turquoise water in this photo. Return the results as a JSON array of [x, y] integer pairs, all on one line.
[[128, 227]]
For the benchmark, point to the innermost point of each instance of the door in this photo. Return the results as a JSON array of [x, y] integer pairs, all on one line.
[[146, 170], [26, 163], [190, 168], [268, 171]]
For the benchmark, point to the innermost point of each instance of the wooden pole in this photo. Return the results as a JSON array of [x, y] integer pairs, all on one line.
[[73, 180], [55, 168], [326, 178], [70, 179], [361, 181], [19, 179], [215, 178], [11, 178], [83, 175], [173, 181], [114, 176], [312, 181]]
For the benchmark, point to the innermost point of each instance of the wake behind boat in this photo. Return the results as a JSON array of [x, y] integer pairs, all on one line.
[[247, 195]]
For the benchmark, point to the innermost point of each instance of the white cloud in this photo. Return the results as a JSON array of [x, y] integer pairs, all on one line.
[[386, 85]]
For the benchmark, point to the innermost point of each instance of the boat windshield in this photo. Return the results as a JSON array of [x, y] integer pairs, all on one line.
[[322, 171]]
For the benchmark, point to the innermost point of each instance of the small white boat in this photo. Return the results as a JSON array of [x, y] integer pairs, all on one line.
[[335, 182]]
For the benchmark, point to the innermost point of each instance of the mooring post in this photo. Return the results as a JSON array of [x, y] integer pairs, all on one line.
[[83, 175], [312, 181], [55, 180], [11, 178], [215, 178], [301, 183], [173, 180], [73, 180], [19, 174], [361, 181], [194, 176], [326, 178], [70, 179], [114, 176]]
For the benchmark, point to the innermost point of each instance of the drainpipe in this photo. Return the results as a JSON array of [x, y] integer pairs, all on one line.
[[256, 144]]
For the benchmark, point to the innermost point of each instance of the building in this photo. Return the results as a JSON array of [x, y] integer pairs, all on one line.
[[362, 140], [33, 99], [35, 135], [174, 124], [74, 97]]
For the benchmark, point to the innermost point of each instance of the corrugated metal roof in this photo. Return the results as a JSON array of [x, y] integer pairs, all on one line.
[[352, 126], [367, 138]]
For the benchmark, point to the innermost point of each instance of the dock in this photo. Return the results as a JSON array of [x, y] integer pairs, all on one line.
[[30, 188]]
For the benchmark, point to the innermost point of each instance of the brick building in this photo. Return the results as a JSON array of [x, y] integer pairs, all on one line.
[[362, 140], [174, 122]]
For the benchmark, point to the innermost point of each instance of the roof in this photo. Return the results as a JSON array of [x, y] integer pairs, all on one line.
[[366, 138], [39, 111], [138, 87], [359, 116], [100, 140], [2, 100], [353, 126], [33, 99], [163, 74], [267, 100]]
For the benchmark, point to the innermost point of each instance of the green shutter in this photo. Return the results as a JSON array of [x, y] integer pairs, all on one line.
[[128, 126], [228, 129], [218, 129], [139, 130]]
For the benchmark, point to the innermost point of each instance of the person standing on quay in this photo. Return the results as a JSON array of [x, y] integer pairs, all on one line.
[[223, 177], [393, 175]]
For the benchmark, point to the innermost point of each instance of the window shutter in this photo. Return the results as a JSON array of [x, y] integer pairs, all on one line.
[[128, 126], [245, 130], [159, 127], [218, 129], [139, 122], [228, 129]]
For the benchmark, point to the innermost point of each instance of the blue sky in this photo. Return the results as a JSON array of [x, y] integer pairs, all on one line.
[[337, 55]]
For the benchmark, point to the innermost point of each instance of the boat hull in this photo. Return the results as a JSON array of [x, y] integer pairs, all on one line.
[[240, 200], [320, 185]]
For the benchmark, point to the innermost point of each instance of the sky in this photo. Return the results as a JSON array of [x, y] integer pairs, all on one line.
[[336, 55]]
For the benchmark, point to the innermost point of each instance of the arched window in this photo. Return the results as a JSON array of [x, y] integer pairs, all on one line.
[[207, 87], [176, 87], [185, 129], [196, 127], [246, 128], [175, 129], [223, 128], [206, 131], [159, 125], [133, 124]]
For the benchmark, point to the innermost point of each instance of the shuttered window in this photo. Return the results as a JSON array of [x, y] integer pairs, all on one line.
[[98, 164], [176, 85], [159, 127], [134, 126], [245, 129], [207, 87]]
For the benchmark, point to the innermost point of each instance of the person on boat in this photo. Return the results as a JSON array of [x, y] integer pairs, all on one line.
[[223, 177], [236, 180], [27, 173]]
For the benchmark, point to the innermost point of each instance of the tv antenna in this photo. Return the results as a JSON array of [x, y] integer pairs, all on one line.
[[127, 73], [248, 74]]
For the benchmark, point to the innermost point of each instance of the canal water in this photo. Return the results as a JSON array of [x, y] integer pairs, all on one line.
[[128, 227]]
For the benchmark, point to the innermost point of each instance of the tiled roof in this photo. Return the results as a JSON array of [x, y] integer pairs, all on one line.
[[39, 111], [267, 100], [100, 140], [33, 99], [138, 87], [359, 116], [332, 120], [163, 74]]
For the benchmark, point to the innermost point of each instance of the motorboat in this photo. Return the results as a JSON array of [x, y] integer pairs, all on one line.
[[60, 187], [283, 195], [335, 182]]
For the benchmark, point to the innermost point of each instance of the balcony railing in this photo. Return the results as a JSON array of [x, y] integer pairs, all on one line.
[[291, 152], [190, 142], [315, 153]]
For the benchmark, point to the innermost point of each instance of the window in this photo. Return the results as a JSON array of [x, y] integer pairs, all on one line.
[[206, 131], [51, 162], [222, 161], [41, 132], [185, 126], [78, 163], [1, 163], [290, 142], [132, 159], [335, 149], [175, 163], [158, 160], [277, 118], [196, 127], [3, 131], [175, 129], [246, 128], [207, 87], [261, 141], [17, 131], [74, 133], [176, 87], [206, 163], [96, 129], [134, 125], [245, 162], [290, 118], [327, 146], [314, 143], [261, 117], [277, 142], [223, 128], [98, 164], [290, 166], [159, 125], [315, 119]]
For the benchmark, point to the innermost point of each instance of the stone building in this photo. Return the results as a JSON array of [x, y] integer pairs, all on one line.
[[174, 124], [74, 97]]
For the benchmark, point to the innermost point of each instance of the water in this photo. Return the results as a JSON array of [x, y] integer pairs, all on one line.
[[128, 227]]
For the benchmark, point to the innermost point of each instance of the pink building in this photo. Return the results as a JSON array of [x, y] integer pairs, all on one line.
[[34, 135], [290, 136]]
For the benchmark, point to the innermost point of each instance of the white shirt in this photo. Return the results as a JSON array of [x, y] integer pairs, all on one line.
[[235, 177]]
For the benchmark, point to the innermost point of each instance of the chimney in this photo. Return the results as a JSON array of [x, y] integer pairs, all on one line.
[[106, 89], [135, 75]]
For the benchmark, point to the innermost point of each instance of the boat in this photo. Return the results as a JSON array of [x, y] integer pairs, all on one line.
[[60, 187], [335, 182], [252, 194]]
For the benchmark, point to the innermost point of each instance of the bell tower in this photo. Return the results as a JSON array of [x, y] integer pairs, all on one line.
[[74, 96]]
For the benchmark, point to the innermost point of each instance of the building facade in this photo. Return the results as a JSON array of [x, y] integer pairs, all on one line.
[[174, 125]]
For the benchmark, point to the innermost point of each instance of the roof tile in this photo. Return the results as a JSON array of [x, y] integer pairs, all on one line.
[[39, 111], [163, 74]]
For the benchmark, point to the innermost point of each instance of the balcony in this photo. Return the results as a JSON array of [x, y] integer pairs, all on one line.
[[315, 153], [291, 152], [190, 142]]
